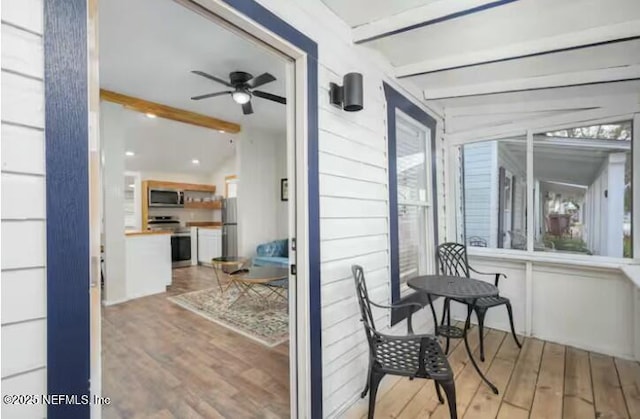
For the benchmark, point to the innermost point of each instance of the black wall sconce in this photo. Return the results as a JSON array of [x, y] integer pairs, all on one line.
[[349, 96]]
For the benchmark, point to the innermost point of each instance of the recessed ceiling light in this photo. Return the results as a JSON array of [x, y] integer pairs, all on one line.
[[195, 161], [150, 115], [129, 153], [221, 131], [132, 186]]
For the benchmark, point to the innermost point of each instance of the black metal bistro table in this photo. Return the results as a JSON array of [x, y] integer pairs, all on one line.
[[458, 288]]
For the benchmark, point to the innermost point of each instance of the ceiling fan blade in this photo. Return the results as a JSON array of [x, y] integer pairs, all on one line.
[[211, 95], [210, 77], [269, 96], [263, 78], [247, 108]]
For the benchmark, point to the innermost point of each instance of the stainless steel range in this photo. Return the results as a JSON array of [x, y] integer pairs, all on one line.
[[180, 238]]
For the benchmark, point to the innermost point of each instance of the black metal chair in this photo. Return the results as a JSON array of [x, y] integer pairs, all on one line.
[[453, 261], [413, 356], [477, 241]]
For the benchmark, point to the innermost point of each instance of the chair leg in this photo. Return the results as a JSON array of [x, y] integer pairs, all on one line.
[[448, 303], [366, 385], [513, 329], [480, 313], [374, 382], [444, 310], [449, 387], [438, 392]]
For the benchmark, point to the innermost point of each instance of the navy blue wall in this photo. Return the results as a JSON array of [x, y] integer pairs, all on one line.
[[66, 137]]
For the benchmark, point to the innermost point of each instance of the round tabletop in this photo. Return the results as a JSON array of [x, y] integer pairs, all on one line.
[[228, 260], [453, 286], [262, 274]]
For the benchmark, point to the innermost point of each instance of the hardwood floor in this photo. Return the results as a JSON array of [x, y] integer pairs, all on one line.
[[543, 380], [162, 361]]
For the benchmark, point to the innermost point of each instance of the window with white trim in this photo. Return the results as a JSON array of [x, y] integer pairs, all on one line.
[[582, 192], [579, 186], [493, 176], [415, 210]]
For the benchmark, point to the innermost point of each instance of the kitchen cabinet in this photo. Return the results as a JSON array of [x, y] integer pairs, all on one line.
[[209, 244]]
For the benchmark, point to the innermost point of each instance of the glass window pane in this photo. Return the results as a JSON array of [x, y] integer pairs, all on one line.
[[583, 190], [412, 241], [493, 193], [411, 160]]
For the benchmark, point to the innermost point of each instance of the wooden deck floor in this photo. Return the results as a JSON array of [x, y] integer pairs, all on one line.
[[542, 380]]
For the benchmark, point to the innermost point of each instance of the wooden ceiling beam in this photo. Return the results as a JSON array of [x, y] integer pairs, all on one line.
[[168, 112]]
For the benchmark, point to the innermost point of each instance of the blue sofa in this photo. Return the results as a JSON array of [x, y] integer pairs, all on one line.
[[273, 253]]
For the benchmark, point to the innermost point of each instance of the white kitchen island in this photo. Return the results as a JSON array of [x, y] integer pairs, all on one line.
[[148, 263]]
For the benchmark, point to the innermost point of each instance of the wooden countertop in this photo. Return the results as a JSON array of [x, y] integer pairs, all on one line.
[[145, 233], [203, 224], [211, 227]]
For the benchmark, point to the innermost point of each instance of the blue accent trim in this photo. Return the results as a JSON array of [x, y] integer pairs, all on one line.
[[395, 100], [66, 102], [266, 18], [438, 20], [518, 57], [67, 162], [315, 309]]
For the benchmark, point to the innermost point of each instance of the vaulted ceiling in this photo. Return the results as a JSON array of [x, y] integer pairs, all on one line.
[[470, 53], [151, 55]]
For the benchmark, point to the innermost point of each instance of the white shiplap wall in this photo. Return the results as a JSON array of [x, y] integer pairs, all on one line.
[[23, 206]]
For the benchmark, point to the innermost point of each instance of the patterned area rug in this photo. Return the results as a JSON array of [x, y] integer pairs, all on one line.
[[249, 316]]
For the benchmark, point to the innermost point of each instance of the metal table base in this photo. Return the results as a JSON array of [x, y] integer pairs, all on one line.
[[453, 332]]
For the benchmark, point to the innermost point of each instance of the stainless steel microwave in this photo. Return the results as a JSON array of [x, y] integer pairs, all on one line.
[[166, 198]]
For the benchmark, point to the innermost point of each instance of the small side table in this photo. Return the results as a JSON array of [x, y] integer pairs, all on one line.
[[227, 264], [455, 287]]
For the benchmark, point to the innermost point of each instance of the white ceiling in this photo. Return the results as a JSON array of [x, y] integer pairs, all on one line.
[[511, 23], [163, 145], [148, 48], [603, 56], [456, 60], [356, 13]]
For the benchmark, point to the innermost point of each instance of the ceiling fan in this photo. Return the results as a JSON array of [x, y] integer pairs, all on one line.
[[242, 84]]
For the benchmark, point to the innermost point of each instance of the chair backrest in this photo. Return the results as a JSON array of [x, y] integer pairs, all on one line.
[[363, 302], [452, 258], [476, 241]]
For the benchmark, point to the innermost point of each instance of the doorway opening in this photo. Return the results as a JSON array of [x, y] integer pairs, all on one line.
[[198, 216]]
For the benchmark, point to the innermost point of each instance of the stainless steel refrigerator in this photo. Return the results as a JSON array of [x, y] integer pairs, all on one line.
[[230, 227]]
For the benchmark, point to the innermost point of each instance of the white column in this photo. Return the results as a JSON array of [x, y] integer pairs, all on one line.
[[615, 204], [635, 184], [537, 212], [530, 193], [112, 132]]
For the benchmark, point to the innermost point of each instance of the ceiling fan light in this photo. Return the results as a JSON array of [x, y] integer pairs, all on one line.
[[241, 97]]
